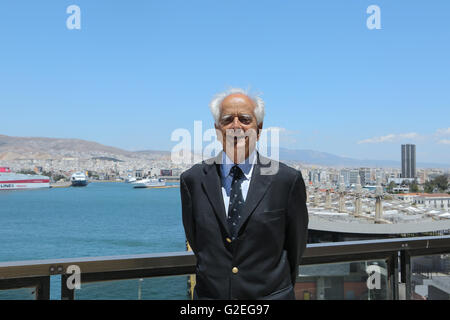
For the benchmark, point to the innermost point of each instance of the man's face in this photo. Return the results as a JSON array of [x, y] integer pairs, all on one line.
[[238, 130]]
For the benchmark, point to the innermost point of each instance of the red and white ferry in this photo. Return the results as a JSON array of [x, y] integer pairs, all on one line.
[[13, 181]]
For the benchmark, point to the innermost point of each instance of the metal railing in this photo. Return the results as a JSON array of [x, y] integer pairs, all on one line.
[[397, 253]]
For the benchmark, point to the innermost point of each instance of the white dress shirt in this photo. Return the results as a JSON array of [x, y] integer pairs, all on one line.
[[227, 179]]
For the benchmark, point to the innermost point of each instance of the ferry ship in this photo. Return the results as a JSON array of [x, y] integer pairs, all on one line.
[[130, 179], [79, 179], [149, 183], [15, 181]]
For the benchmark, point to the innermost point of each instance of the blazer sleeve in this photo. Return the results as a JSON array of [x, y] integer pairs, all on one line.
[[297, 225], [187, 213]]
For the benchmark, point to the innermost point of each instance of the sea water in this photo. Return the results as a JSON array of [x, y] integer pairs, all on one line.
[[101, 219]]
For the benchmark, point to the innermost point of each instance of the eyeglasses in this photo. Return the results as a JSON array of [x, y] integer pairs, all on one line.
[[245, 119]]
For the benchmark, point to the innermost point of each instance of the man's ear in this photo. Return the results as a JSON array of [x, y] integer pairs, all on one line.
[[218, 133], [260, 126], [218, 130]]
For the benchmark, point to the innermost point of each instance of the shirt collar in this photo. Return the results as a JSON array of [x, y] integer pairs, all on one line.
[[246, 166]]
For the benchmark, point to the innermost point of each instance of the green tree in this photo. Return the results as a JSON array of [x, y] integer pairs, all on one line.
[[414, 187], [26, 172], [428, 187], [441, 182], [391, 186], [57, 177]]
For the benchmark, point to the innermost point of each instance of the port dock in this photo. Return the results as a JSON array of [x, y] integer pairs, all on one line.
[[64, 184]]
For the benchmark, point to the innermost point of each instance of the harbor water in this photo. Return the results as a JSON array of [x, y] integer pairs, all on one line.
[[101, 219]]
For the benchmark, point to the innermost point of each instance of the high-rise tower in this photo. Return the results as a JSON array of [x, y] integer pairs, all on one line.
[[408, 160]]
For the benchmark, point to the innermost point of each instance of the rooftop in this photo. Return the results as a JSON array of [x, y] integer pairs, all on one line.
[[398, 216]]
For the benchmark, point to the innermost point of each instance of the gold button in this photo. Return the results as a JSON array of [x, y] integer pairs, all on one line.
[[228, 240], [235, 270]]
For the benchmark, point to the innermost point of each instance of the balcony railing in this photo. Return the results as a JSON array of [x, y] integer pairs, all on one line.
[[395, 255]]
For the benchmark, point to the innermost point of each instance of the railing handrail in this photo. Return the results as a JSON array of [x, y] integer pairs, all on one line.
[[48, 267], [376, 245], [32, 268]]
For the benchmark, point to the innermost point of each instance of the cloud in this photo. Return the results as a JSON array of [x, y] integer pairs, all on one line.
[[441, 135], [443, 132], [444, 141], [391, 138]]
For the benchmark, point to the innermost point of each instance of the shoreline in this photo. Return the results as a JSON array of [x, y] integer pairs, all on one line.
[[67, 184]]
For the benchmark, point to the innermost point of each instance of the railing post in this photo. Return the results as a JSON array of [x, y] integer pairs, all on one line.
[[405, 265], [393, 271], [66, 293], [43, 288]]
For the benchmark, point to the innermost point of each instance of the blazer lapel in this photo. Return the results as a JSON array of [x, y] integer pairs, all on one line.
[[212, 186], [257, 189]]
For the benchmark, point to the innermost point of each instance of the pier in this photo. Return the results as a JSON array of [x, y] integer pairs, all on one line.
[[64, 184]]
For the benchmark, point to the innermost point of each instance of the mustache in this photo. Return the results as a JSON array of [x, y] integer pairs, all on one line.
[[239, 133]]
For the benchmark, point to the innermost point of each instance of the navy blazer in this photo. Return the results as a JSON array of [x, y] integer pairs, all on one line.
[[262, 262]]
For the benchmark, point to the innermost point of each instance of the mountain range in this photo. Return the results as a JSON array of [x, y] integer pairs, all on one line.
[[14, 148], [328, 159]]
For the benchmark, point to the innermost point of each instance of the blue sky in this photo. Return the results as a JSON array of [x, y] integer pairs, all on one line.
[[138, 70]]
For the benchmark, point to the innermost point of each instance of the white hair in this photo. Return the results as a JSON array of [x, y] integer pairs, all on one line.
[[216, 103]]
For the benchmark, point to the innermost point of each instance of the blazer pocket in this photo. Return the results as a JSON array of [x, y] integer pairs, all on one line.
[[272, 214], [286, 293]]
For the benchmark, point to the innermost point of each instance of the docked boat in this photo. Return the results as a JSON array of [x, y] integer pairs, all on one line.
[[14, 181], [149, 183], [130, 179], [79, 179]]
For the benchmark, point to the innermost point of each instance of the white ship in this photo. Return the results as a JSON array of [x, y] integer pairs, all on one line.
[[14, 181], [79, 179], [130, 179], [149, 182]]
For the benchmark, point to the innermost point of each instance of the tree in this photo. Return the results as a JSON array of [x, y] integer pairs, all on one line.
[[428, 187], [391, 186], [441, 182], [58, 177], [414, 187], [27, 172]]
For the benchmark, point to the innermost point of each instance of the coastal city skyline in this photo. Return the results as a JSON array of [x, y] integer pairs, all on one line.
[[132, 74], [28, 147], [62, 157], [44, 148]]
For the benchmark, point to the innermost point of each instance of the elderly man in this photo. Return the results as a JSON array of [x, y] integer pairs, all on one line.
[[246, 224]]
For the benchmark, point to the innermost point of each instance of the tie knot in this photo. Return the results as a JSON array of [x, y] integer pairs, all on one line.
[[236, 172]]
